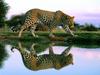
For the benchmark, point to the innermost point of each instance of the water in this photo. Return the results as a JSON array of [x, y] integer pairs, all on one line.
[[86, 60]]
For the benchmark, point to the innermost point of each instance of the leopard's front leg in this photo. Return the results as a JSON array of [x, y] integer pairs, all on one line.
[[33, 30]]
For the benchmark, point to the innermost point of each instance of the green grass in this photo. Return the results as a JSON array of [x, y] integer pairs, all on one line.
[[82, 38]]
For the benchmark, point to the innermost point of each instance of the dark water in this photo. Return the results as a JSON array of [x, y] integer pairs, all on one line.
[[86, 61]]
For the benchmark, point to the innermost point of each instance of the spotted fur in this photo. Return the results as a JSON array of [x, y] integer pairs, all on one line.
[[40, 18], [38, 62]]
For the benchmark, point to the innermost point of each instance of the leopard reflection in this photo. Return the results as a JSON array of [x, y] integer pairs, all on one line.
[[33, 61]]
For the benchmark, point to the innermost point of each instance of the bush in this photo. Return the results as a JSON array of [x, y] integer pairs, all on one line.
[[89, 27]]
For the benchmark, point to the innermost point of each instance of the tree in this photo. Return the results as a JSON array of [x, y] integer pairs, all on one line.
[[89, 27], [3, 10], [16, 20], [77, 26]]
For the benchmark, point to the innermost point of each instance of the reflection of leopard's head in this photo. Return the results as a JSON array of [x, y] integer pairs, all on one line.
[[65, 19], [67, 60]]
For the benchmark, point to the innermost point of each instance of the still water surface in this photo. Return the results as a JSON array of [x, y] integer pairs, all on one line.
[[86, 62]]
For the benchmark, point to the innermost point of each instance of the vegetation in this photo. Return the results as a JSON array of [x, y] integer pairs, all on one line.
[[3, 55], [84, 37], [15, 20], [86, 27], [3, 11]]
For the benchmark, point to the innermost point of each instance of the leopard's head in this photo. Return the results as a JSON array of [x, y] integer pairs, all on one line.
[[65, 19]]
